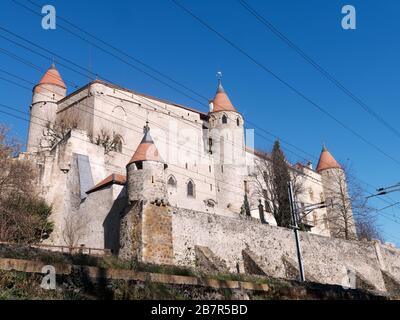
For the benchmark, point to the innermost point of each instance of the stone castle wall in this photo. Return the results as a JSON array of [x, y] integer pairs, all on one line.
[[272, 250]]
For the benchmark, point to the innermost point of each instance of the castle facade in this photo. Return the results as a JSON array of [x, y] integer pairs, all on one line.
[[102, 147]]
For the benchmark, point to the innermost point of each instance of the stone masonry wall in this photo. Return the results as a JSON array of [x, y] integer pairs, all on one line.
[[157, 235], [326, 260], [146, 234]]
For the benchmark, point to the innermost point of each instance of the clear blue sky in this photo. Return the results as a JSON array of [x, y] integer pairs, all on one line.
[[365, 60]]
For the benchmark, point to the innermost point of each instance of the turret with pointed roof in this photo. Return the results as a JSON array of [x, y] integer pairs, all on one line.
[[327, 161], [51, 77], [226, 145], [46, 94], [147, 150], [221, 101], [145, 172]]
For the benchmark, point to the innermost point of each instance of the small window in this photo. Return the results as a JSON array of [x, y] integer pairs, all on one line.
[[222, 168], [152, 179], [139, 165], [224, 119], [210, 187], [190, 189], [186, 165], [209, 168], [172, 182], [238, 122], [210, 143]]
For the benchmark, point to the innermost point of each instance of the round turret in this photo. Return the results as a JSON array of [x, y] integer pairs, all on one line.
[[145, 172], [46, 94], [226, 136]]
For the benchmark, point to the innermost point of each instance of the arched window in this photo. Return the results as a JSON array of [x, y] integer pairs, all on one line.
[[119, 113], [190, 188], [238, 122], [224, 119], [172, 182]]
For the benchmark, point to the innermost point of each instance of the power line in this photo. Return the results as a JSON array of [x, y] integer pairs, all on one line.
[[284, 82], [317, 66], [114, 55], [232, 44], [133, 58]]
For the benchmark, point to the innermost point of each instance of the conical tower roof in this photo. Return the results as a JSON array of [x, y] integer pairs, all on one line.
[[221, 101], [147, 150], [327, 161], [52, 76]]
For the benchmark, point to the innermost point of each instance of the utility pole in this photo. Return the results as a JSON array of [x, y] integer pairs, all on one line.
[[296, 219], [293, 209]]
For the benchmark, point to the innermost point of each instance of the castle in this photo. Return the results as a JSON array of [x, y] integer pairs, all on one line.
[[163, 183]]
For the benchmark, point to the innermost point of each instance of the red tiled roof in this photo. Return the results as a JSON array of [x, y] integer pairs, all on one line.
[[52, 76], [221, 101], [114, 178], [327, 161], [147, 150]]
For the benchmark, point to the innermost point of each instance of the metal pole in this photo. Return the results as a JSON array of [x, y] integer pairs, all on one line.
[[293, 209]]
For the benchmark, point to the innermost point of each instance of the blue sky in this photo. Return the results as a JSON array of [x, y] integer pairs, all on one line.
[[160, 34]]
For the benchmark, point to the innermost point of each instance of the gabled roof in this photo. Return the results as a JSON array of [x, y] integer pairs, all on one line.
[[111, 179], [221, 100], [53, 77], [147, 150], [327, 161]]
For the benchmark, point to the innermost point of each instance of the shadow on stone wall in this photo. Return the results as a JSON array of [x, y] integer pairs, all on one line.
[[208, 262], [111, 226]]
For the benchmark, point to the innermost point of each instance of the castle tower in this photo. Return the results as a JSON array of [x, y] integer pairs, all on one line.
[[226, 138], [146, 226], [340, 216], [50, 89], [145, 172]]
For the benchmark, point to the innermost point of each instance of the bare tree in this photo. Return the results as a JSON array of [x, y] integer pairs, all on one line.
[[73, 231], [23, 214], [109, 141], [349, 215], [57, 131], [367, 228]]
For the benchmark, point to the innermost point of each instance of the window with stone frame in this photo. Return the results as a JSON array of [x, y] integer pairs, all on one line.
[[224, 119], [172, 182], [190, 189]]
